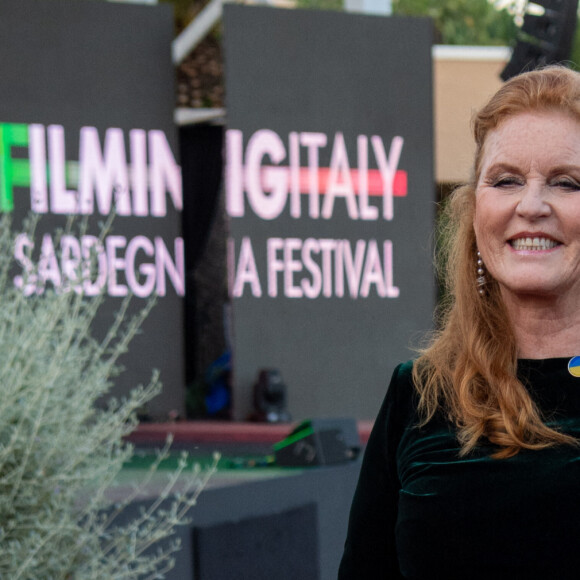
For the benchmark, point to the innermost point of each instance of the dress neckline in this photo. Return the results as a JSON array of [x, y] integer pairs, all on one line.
[[544, 364]]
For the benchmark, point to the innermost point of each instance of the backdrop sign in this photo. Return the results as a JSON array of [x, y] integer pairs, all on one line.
[[86, 104], [330, 191]]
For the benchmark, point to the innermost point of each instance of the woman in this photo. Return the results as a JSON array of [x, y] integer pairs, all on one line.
[[473, 467]]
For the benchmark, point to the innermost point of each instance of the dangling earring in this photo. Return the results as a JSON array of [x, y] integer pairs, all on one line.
[[480, 280]]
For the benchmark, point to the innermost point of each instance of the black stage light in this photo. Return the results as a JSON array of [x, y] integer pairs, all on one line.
[[546, 36], [270, 398]]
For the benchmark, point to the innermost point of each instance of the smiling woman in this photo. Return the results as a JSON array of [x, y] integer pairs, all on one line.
[[473, 465], [527, 216]]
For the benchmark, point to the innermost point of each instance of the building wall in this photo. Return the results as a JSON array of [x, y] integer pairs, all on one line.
[[464, 77]]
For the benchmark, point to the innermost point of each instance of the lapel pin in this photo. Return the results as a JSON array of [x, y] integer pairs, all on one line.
[[574, 366]]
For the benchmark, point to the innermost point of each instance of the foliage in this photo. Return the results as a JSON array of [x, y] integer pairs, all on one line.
[[184, 11], [460, 22], [463, 22], [575, 52], [321, 4], [60, 453]]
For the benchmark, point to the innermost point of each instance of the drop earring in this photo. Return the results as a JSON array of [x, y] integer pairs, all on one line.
[[480, 280]]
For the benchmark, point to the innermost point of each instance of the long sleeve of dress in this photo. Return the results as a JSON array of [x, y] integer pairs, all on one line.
[[370, 549]]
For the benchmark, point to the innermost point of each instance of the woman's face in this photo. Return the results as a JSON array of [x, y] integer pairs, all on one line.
[[527, 209]]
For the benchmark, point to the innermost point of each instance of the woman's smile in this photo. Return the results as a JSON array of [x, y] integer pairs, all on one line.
[[532, 243]]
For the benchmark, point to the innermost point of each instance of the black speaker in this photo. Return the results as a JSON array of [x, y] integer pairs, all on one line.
[[544, 38], [319, 442]]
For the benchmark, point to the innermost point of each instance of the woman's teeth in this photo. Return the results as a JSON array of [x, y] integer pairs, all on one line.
[[533, 244]]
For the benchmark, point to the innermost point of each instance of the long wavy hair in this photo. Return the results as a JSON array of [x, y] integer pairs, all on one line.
[[469, 368]]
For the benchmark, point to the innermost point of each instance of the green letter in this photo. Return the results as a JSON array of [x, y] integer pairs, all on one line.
[[13, 172]]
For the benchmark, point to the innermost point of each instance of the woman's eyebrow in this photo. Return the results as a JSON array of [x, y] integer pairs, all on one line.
[[501, 166]]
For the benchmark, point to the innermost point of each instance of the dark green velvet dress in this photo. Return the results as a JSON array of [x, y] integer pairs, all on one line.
[[422, 512]]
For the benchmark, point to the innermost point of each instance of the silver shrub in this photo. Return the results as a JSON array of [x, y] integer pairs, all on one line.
[[60, 454]]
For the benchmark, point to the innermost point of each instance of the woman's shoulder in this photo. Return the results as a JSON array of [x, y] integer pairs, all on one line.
[[404, 371], [401, 385], [397, 414], [400, 402]]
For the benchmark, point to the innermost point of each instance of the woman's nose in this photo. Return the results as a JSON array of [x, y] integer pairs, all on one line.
[[534, 202]]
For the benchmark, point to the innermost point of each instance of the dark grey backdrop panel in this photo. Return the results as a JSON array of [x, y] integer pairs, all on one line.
[[349, 78], [265, 546], [103, 65]]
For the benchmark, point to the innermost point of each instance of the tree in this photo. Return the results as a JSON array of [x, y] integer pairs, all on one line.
[[463, 22]]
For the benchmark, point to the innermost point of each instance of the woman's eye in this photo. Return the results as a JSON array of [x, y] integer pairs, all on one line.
[[568, 184], [506, 182]]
